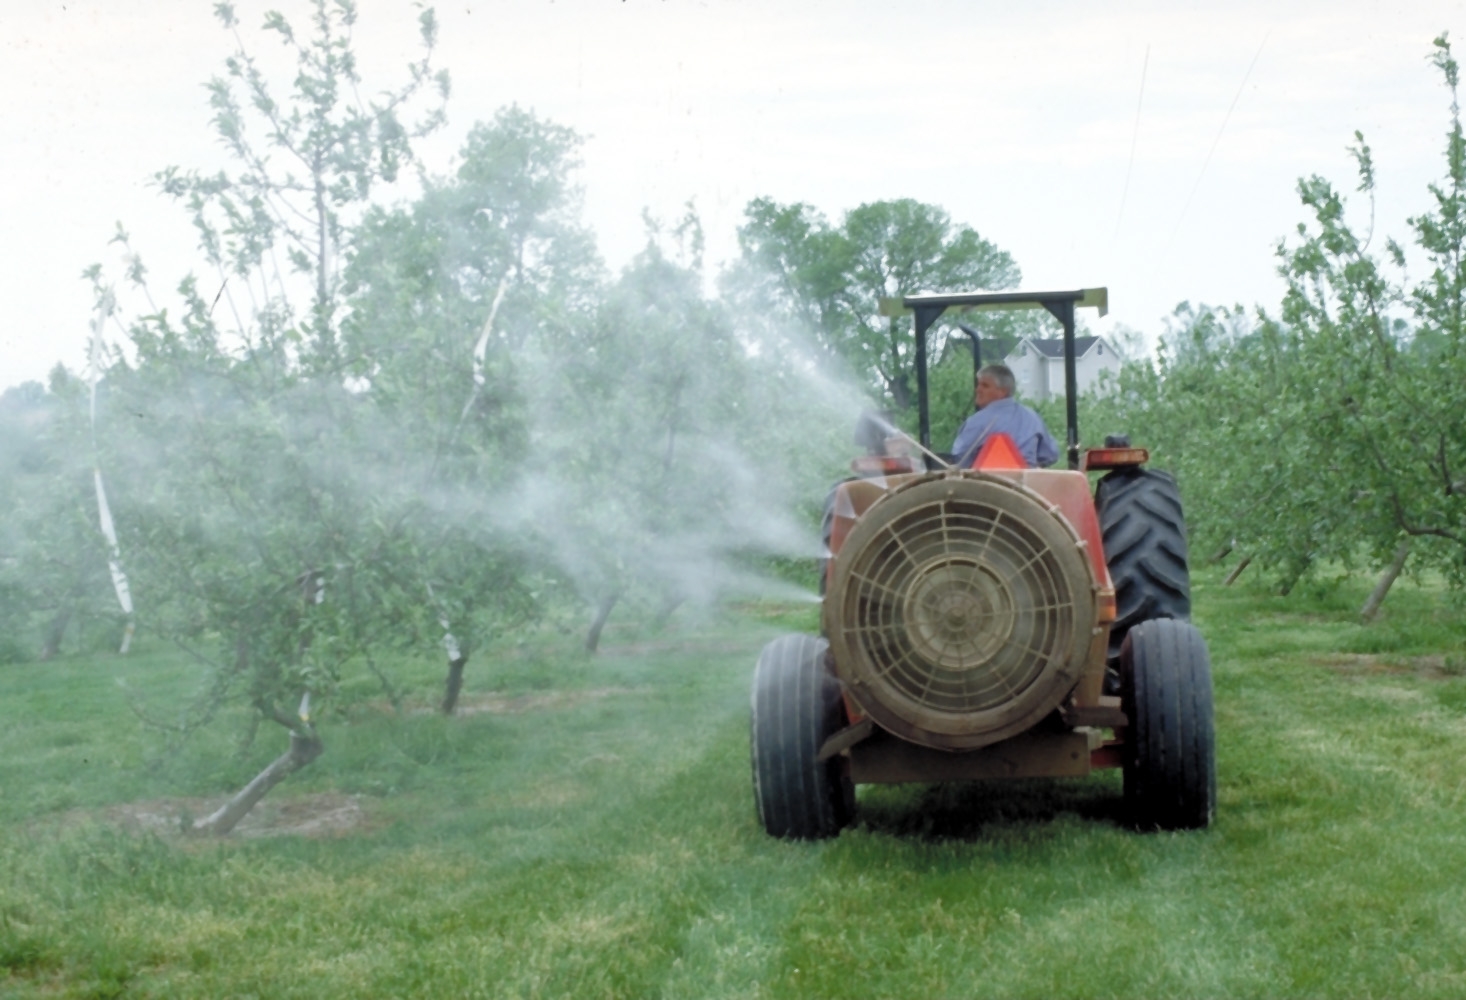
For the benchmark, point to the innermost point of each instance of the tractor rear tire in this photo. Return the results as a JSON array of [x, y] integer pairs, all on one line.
[[796, 707], [1144, 536], [1170, 771]]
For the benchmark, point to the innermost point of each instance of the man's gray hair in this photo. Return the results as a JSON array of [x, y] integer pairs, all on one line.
[[1002, 376]]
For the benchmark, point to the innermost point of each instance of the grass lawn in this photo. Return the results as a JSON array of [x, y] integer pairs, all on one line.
[[586, 829]]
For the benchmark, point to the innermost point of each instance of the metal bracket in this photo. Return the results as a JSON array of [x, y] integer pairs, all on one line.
[[1106, 715], [926, 315], [845, 739]]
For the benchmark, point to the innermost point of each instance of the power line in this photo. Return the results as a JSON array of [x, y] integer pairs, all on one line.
[[1226, 118], [1134, 138]]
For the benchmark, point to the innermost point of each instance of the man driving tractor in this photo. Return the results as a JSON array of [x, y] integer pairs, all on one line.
[[999, 413]]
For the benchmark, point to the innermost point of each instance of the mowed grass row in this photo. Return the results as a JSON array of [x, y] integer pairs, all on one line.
[[594, 836]]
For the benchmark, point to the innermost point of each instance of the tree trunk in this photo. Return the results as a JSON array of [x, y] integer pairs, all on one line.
[[454, 684], [603, 612], [1386, 581], [1221, 553], [56, 631], [1236, 572], [304, 748]]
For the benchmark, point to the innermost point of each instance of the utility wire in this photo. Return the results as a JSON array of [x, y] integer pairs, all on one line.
[[1226, 118], [1134, 138]]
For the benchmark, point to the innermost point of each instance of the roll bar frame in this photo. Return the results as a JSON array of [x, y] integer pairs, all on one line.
[[928, 308]]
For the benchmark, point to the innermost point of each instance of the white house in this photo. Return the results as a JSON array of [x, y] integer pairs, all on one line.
[[1038, 365]]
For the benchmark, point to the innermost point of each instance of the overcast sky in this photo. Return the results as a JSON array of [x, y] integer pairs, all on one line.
[[1150, 147]]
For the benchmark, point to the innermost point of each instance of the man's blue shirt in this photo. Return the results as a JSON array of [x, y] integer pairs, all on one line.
[[1010, 417]]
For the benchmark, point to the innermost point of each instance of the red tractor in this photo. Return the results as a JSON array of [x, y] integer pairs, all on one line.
[[993, 622]]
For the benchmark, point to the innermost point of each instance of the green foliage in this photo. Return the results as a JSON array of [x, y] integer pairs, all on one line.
[[53, 570], [262, 503], [1335, 432], [261, 529], [1214, 409], [1381, 364], [304, 167], [411, 458], [445, 295], [664, 450], [829, 279]]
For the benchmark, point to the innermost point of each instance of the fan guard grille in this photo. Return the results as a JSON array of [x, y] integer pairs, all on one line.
[[964, 606]]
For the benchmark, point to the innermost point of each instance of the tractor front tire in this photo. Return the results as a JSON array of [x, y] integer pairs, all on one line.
[[1144, 535], [796, 707], [1170, 770]]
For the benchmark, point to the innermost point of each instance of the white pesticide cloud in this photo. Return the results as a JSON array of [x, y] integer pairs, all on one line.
[[1020, 120]]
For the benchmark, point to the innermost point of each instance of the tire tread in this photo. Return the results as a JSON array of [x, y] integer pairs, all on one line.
[[1143, 531], [796, 706], [1170, 763]]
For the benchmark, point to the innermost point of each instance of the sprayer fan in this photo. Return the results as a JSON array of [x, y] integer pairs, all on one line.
[[964, 606]]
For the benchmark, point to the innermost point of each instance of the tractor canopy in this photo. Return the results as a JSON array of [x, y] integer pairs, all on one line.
[[928, 308]]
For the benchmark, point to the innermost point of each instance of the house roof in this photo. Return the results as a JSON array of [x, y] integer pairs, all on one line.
[[1053, 347], [993, 350]]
